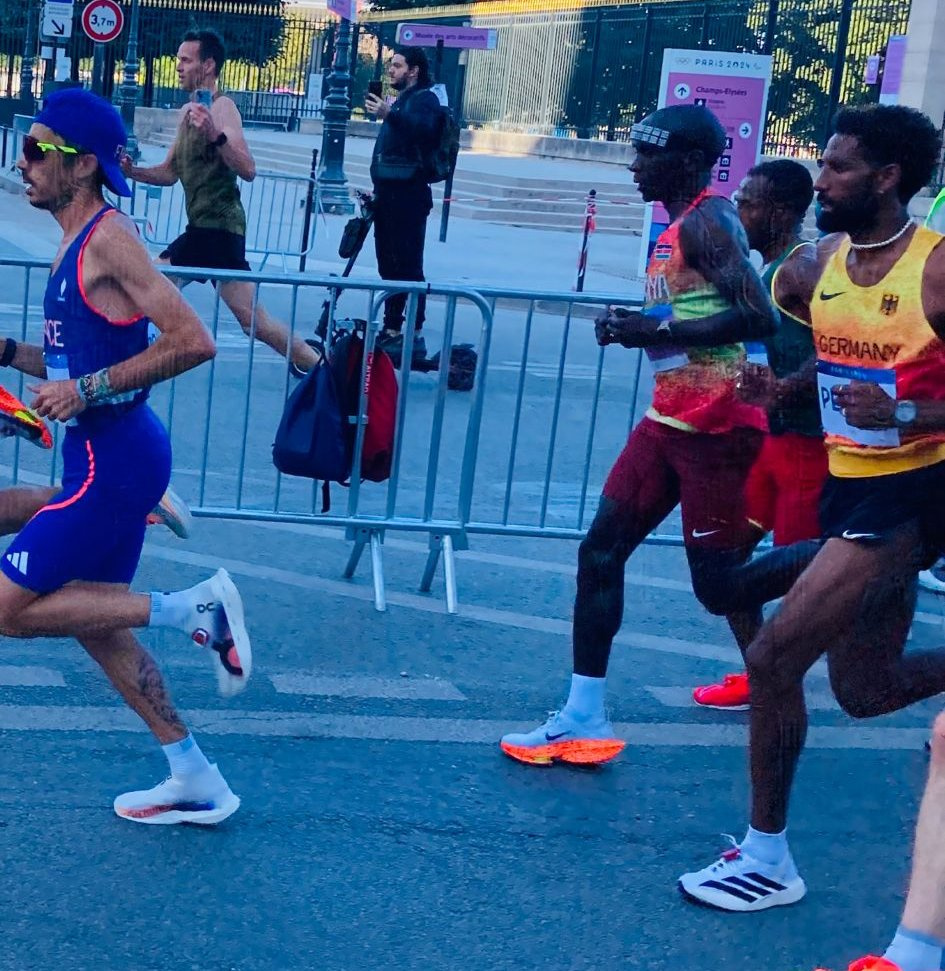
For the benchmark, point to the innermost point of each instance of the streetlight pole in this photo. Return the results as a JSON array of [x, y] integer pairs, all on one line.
[[29, 53], [129, 83], [332, 182]]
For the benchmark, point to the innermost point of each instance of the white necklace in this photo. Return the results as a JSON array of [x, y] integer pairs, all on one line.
[[885, 242]]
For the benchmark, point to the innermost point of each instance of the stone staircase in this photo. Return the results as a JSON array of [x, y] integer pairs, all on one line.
[[491, 197]]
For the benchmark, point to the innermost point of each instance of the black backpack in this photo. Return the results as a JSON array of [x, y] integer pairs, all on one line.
[[462, 367], [312, 439], [316, 435], [441, 160]]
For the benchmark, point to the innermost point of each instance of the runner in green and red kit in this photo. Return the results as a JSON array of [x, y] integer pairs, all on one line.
[[699, 438]]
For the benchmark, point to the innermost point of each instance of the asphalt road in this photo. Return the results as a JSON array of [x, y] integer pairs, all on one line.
[[381, 827]]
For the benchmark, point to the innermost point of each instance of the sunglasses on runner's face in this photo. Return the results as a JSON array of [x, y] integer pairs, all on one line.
[[35, 151]]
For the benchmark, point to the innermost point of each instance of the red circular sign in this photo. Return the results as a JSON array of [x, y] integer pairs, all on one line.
[[102, 20]]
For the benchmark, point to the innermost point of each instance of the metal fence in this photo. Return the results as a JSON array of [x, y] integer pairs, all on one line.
[[280, 216], [522, 455], [280, 210], [585, 72], [590, 72]]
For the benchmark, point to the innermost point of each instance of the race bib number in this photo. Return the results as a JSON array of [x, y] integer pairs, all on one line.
[[756, 353], [666, 358], [833, 376]]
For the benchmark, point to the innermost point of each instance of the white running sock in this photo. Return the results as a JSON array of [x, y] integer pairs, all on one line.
[[914, 951], [770, 848], [586, 698], [178, 608], [185, 758]]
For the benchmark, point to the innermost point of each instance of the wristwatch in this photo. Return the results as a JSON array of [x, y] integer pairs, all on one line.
[[906, 412], [220, 140]]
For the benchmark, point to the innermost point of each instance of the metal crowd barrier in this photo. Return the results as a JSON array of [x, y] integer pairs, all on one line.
[[10, 138], [280, 216], [523, 455], [280, 209]]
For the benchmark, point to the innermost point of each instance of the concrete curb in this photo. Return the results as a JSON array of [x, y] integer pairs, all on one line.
[[12, 183]]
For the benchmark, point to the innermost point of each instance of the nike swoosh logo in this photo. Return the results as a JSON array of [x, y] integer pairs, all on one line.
[[830, 296], [554, 738], [848, 535], [699, 533]]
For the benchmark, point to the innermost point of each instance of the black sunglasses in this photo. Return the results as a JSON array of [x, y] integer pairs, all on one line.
[[35, 151]]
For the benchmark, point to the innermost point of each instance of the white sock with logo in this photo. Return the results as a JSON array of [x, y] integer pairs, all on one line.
[[914, 951], [770, 848], [586, 697], [179, 608], [185, 758]]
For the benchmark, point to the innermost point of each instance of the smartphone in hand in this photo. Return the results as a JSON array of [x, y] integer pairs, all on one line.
[[376, 88], [203, 96]]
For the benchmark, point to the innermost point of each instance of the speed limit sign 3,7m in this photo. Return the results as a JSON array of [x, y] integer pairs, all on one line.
[[102, 20]]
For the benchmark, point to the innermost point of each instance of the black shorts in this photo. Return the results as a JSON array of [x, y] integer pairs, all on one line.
[[868, 509], [214, 249]]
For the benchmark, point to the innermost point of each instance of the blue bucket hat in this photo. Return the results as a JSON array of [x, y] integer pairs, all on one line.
[[91, 123]]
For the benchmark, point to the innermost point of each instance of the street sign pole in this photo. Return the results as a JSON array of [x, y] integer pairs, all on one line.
[[459, 95], [102, 21], [98, 68]]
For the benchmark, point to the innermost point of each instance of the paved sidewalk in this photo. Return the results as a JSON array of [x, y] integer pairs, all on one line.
[[475, 252]]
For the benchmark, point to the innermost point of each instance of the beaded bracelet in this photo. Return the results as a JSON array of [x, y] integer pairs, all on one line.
[[95, 388]]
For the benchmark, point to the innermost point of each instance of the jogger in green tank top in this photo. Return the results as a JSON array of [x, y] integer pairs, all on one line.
[[207, 156]]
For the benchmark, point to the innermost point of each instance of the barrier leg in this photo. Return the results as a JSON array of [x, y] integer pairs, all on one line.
[[354, 558], [429, 571], [449, 573], [442, 545], [377, 572]]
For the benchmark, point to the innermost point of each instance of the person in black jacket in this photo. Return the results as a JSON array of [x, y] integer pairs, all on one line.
[[402, 197]]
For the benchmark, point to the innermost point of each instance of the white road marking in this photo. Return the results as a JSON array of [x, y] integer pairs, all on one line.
[[487, 615], [419, 689], [24, 676], [477, 556], [280, 724]]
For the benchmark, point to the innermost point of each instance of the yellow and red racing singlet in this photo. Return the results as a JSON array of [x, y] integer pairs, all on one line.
[[694, 386], [879, 334]]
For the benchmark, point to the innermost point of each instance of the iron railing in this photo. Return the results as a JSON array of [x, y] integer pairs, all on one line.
[[590, 72], [573, 68]]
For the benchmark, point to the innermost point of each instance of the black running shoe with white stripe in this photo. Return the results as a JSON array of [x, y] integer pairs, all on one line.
[[741, 883]]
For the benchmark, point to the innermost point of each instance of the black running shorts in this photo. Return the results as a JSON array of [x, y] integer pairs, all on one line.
[[214, 249], [867, 509]]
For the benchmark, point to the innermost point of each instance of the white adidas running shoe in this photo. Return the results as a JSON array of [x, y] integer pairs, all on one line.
[[172, 512], [204, 799], [565, 739], [218, 625], [739, 882]]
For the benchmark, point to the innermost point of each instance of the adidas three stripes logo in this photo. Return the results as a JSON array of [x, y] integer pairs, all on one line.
[[747, 886], [19, 561]]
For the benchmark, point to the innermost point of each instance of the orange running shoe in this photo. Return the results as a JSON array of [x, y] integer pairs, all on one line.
[[17, 419], [732, 694], [564, 739]]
